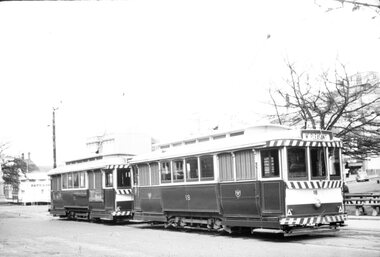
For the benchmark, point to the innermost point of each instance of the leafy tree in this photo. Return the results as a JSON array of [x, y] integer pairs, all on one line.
[[347, 105], [13, 168]]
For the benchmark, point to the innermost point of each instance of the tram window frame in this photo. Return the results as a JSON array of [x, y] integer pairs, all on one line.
[[167, 176], [108, 178], [303, 175], [245, 165], [82, 179], [192, 169], [73, 180], [335, 162], [313, 169], [178, 172], [144, 176], [64, 181], [154, 173], [136, 175], [207, 167], [226, 167], [123, 178], [69, 180], [275, 154]]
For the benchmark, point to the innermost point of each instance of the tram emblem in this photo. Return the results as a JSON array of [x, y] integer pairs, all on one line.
[[238, 193], [150, 195], [187, 197]]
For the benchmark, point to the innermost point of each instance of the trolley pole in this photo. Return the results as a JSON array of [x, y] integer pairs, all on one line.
[[54, 145]]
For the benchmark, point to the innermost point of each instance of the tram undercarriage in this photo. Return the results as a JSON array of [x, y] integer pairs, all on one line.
[[221, 224]]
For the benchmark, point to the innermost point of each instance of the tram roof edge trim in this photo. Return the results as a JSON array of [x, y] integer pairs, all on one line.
[[90, 165], [254, 137]]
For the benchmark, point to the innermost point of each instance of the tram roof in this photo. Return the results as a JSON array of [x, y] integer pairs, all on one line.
[[91, 163], [255, 136]]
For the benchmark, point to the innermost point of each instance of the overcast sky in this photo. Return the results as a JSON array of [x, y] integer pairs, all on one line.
[[165, 68]]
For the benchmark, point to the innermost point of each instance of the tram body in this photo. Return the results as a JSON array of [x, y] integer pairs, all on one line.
[[265, 178], [94, 188]]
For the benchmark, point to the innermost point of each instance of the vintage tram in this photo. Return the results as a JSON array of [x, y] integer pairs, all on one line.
[[266, 178], [94, 188]]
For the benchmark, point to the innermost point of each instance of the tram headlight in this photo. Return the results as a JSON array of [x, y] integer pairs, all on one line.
[[317, 203]]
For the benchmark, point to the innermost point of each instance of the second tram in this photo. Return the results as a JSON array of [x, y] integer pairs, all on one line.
[[93, 188]]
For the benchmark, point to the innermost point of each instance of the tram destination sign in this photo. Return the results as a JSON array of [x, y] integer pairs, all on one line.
[[316, 135]]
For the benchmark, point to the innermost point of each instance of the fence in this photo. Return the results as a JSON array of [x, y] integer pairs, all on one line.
[[362, 200]]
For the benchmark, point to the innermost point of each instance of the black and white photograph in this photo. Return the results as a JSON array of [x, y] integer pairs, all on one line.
[[170, 128]]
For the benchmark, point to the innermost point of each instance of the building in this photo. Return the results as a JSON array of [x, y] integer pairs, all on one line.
[[34, 188]]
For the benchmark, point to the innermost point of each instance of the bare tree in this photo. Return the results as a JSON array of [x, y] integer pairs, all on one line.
[[355, 5], [3, 146], [347, 105]]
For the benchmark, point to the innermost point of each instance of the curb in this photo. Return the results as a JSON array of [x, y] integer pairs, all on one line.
[[363, 217]]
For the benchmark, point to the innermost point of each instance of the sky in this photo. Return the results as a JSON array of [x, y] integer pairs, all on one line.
[[166, 68]]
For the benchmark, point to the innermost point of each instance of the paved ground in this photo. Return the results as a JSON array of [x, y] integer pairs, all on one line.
[[30, 231]]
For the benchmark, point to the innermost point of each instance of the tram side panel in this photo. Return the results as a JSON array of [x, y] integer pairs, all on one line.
[[190, 200], [203, 198], [148, 204], [272, 198], [240, 199]]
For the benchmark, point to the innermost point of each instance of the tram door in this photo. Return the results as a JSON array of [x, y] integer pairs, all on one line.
[[272, 187], [96, 194], [240, 198], [109, 191], [272, 197]]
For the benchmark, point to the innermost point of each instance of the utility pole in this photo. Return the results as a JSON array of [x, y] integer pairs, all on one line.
[[54, 145]]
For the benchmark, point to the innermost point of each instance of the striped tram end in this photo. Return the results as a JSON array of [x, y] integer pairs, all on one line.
[[124, 191], [121, 213], [313, 184], [312, 221], [120, 166], [297, 142]]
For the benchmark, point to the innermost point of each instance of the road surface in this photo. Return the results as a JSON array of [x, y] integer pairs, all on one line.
[[31, 231]]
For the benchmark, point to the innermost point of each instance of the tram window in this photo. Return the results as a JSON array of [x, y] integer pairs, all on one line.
[[123, 178], [318, 162], [270, 163], [166, 175], [178, 171], [76, 179], [82, 180], [64, 181], [335, 162], [70, 180], [192, 169], [98, 179], [108, 178], [155, 176], [226, 167], [297, 163], [143, 175], [55, 186], [207, 167], [135, 175], [245, 165]]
